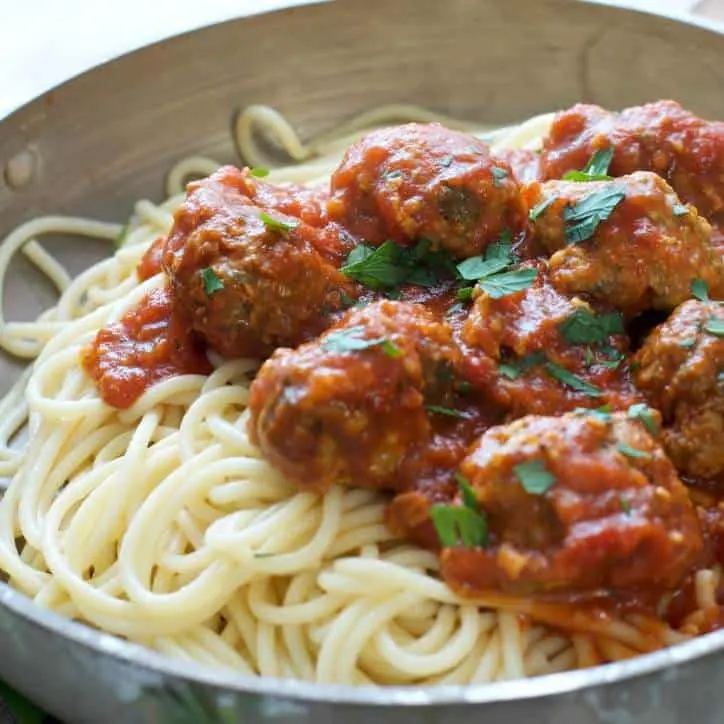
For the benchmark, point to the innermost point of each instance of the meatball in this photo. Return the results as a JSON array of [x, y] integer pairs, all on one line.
[[538, 352], [421, 181], [348, 407], [628, 243], [661, 137], [250, 280], [680, 368], [576, 504]]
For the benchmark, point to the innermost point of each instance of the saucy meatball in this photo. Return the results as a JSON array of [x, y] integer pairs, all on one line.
[[661, 137], [422, 181], [348, 407], [247, 279], [537, 352], [577, 503], [681, 370], [628, 243]]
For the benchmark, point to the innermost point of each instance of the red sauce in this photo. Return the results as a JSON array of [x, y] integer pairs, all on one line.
[[151, 261], [147, 345]]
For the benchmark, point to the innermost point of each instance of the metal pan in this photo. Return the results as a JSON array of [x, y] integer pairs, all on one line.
[[101, 141]]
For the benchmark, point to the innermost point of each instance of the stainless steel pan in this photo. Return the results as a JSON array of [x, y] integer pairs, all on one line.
[[101, 141]]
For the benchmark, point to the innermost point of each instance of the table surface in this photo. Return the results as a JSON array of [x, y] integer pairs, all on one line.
[[44, 42]]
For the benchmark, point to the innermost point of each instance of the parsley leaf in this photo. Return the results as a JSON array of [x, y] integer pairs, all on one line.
[[586, 327], [281, 225], [500, 285], [465, 523], [602, 414], [498, 175], [447, 411], [512, 370], [541, 208], [632, 452], [352, 339], [571, 380], [715, 326], [388, 266], [700, 290], [625, 505], [680, 210], [534, 476], [687, 343], [259, 172], [596, 169], [641, 411], [583, 217], [212, 282], [477, 267]]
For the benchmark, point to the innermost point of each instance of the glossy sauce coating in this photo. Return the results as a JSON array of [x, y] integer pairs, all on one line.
[[150, 343]]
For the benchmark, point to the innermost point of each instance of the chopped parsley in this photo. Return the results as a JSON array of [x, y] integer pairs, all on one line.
[[602, 414], [498, 175], [352, 339], [465, 523], [283, 226], [446, 411], [541, 208], [583, 218], [586, 327], [500, 285], [715, 326], [596, 169], [512, 370], [700, 290], [388, 266], [570, 380], [687, 343], [534, 476], [625, 505], [259, 172], [632, 452], [641, 411], [212, 282], [680, 210]]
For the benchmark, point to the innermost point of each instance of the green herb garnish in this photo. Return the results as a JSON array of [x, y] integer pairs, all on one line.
[[512, 370], [602, 414], [534, 476], [570, 380], [465, 523], [680, 210], [498, 175], [541, 208], [586, 327], [212, 282], [500, 285], [715, 326], [259, 172], [641, 411], [583, 218], [352, 339], [596, 169], [625, 505], [447, 411], [632, 452], [700, 290], [280, 225]]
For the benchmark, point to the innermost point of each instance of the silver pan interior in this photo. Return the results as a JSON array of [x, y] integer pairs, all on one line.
[[106, 138]]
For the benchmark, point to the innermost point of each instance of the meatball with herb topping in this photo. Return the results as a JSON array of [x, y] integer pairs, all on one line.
[[661, 137], [628, 243], [680, 368], [348, 407], [535, 351], [580, 503], [246, 279], [424, 181]]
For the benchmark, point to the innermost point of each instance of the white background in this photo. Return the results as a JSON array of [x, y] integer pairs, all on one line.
[[43, 42]]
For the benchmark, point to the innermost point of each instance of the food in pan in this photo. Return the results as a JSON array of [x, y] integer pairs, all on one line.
[[435, 404]]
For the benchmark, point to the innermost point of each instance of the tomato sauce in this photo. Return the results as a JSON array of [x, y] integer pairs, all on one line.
[[150, 343], [151, 262]]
